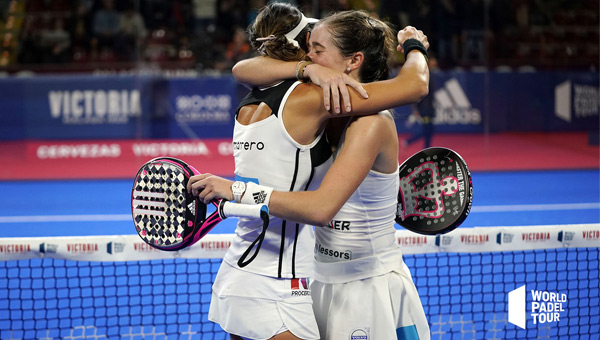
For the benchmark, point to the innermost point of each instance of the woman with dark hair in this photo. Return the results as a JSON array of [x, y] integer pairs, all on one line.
[[279, 144]]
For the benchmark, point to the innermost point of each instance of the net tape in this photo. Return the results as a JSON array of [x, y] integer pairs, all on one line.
[[93, 288]]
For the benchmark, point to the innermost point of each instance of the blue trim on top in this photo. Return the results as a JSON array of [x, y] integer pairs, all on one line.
[[246, 179], [407, 333]]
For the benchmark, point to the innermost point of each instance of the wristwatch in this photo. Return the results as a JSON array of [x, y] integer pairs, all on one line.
[[238, 189]]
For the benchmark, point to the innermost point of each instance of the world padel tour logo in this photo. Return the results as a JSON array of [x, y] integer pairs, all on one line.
[[575, 101], [545, 307]]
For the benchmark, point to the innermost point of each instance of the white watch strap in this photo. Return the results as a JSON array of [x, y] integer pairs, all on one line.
[[237, 194]]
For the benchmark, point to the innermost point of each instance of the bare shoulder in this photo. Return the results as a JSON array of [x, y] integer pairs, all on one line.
[[307, 96]]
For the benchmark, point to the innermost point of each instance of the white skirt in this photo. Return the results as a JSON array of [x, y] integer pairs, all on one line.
[[259, 307], [384, 307]]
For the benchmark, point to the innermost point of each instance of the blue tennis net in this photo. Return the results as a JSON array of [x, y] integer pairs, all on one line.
[[465, 294]]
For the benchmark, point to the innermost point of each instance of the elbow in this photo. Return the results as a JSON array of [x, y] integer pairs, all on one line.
[[321, 217], [235, 70], [421, 88]]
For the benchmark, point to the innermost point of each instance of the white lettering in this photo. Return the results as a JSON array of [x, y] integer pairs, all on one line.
[[75, 99], [225, 149], [174, 149], [546, 306], [55, 97], [457, 116], [100, 103], [78, 151], [94, 107], [585, 101], [88, 95], [113, 103]]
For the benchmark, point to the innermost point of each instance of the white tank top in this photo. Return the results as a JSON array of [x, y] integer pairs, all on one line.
[[265, 153], [360, 240]]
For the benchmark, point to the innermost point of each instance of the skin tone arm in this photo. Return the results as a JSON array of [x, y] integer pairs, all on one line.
[[305, 105], [365, 139], [346, 170], [409, 86], [412, 80], [273, 70]]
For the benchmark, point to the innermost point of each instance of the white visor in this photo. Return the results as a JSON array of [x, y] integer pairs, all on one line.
[[291, 35]]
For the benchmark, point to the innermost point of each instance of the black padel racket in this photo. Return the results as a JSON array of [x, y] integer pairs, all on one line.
[[166, 216], [436, 192]]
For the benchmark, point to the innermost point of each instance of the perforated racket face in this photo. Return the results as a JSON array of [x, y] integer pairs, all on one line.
[[165, 216], [436, 192]]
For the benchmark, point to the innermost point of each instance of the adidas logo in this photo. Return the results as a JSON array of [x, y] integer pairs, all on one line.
[[192, 208], [452, 106], [259, 197]]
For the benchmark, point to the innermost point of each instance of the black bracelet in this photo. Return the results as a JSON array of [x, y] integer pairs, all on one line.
[[414, 44]]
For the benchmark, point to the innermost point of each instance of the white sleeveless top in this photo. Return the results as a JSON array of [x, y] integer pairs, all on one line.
[[265, 153], [360, 240]]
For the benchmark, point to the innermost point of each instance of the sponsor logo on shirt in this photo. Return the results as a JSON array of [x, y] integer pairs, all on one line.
[[360, 334], [338, 254], [248, 145], [299, 286], [340, 225]]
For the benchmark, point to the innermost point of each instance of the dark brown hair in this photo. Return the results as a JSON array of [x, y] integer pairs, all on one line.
[[356, 31]]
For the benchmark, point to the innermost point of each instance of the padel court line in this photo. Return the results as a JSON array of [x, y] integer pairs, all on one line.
[[127, 217]]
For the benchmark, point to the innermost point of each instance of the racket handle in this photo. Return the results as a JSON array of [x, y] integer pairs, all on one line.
[[229, 209]]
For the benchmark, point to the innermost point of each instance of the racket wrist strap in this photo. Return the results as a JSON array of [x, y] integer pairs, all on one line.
[[256, 194]]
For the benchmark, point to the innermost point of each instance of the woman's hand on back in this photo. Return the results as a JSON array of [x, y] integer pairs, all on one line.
[[334, 84]]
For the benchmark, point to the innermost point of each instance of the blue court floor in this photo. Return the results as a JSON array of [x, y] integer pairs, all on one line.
[[102, 207]]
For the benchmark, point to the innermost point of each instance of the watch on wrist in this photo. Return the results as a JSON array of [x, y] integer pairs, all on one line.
[[238, 188]]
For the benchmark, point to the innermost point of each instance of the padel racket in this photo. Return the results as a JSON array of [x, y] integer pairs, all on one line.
[[166, 216], [436, 192]]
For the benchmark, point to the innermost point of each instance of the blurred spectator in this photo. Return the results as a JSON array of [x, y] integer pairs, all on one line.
[[29, 49], [132, 32], [184, 49], [55, 43], [230, 14], [205, 15], [447, 35], [160, 45], [371, 6], [80, 27], [473, 32], [237, 49], [80, 43], [106, 25], [420, 16], [394, 12], [157, 13], [552, 34]]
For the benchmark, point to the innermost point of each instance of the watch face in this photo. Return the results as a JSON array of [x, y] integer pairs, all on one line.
[[238, 187]]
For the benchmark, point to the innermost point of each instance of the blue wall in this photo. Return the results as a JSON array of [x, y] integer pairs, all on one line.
[[124, 107]]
